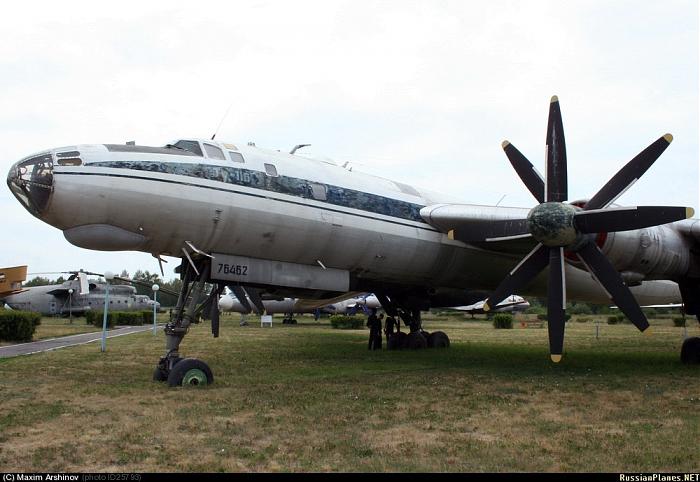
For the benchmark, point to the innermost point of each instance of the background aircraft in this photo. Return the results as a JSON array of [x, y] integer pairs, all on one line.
[[291, 306], [11, 280], [57, 299], [512, 304]]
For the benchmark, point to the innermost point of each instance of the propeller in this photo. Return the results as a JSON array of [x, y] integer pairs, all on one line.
[[558, 226]]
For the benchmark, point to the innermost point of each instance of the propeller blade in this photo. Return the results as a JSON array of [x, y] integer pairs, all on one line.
[[557, 190], [526, 171], [628, 218], [556, 303], [629, 174], [491, 231], [520, 276], [611, 281]]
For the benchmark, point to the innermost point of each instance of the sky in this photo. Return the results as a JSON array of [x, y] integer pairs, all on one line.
[[418, 92]]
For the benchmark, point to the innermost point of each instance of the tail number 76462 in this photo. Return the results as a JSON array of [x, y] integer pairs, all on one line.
[[236, 269]]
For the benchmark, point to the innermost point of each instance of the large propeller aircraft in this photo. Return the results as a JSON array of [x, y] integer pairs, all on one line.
[[286, 225]]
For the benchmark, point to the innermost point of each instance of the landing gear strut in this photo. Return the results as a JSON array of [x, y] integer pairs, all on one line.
[[174, 369], [417, 338]]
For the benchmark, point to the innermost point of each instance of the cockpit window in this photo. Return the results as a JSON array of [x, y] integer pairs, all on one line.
[[214, 152], [192, 146]]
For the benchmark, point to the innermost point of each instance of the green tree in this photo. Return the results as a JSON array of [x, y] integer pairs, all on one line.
[[38, 281]]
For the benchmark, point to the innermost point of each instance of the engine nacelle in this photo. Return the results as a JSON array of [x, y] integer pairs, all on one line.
[[659, 252]]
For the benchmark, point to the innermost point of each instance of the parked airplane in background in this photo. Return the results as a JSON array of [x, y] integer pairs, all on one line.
[[291, 226], [11, 280], [291, 306], [65, 298], [512, 304]]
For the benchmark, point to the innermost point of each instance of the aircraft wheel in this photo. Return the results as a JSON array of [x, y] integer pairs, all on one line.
[[438, 339], [159, 375], [690, 351], [416, 341], [190, 372]]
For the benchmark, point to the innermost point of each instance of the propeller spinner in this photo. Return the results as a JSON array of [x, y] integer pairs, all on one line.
[[557, 225]]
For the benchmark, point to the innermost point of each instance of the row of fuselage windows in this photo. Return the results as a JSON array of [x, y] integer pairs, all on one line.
[[270, 181], [110, 302]]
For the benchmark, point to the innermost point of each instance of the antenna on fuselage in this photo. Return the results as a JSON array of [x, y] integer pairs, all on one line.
[[222, 120], [297, 147]]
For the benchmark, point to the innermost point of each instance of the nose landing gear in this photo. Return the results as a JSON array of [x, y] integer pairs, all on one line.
[[174, 369]]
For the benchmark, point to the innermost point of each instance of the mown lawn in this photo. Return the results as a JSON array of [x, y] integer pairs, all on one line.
[[310, 398]]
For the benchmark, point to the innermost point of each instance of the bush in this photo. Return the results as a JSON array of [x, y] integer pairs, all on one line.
[[583, 319], [580, 309], [615, 319], [119, 318], [18, 325], [679, 321], [345, 322], [503, 321]]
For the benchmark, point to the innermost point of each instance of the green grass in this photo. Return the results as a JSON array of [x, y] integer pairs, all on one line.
[[310, 398], [56, 327]]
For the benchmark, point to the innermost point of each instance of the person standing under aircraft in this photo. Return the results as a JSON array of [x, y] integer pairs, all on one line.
[[375, 327], [389, 328]]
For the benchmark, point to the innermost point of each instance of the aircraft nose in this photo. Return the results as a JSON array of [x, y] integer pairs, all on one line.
[[31, 182]]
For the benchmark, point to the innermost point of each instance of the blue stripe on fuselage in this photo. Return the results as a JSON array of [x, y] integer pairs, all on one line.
[[292, 186]]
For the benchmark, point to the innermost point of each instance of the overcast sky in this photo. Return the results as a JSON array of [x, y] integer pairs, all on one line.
[[419, 92]]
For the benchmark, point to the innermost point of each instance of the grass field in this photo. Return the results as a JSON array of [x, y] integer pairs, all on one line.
[[310, 398], [56, 327]]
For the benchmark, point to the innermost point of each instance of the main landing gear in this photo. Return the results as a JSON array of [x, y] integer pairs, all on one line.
[[174, 369], [417, 338], [690, 351]]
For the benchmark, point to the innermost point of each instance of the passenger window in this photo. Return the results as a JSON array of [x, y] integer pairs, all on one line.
[[192, 146], [214, 152], [235, 156], [318, 191], [271, 170]]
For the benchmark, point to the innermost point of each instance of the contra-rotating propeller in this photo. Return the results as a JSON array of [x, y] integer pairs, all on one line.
[[557, 225]]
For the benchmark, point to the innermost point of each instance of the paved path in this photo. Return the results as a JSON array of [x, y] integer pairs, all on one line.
[[64, 341]]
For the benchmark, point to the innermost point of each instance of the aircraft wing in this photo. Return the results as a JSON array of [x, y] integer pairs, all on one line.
[[311, 305]]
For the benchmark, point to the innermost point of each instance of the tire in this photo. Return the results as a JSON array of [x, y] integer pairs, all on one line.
[[400, 340], [416, 341], [190, 372], [690, 351], [159, 375], [438, 339]]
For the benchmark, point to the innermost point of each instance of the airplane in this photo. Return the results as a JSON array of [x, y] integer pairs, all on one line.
[[59, 300], [289, 225], [291, 306], [512, 304], [11, 280]]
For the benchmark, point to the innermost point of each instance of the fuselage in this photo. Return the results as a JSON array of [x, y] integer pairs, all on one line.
[[247, 201]]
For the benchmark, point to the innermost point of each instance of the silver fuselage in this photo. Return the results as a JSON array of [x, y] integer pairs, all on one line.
[[311, 212]]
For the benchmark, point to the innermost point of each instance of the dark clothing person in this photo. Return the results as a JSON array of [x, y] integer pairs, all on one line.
[[375, 332]]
